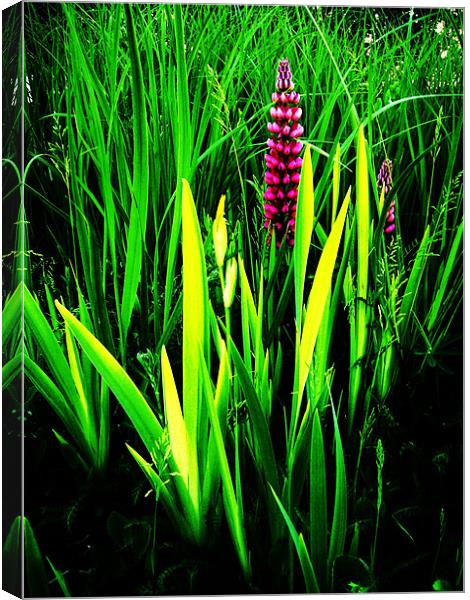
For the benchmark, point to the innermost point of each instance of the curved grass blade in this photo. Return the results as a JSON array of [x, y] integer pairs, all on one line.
[[311, 583]]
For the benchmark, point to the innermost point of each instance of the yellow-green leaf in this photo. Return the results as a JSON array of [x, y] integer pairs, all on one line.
[[174, 418], [318, 296]]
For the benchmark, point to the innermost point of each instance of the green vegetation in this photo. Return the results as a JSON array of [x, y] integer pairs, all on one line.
[[291, 410]]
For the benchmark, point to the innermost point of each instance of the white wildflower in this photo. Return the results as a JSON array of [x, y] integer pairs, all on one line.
[[440, 27], [368, 39], [444, 54]]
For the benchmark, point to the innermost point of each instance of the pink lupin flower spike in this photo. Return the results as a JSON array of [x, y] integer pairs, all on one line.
[[384, 180], [283, 162]]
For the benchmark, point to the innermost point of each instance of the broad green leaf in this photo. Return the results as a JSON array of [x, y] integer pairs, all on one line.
[[36, 323], [266, 458], [317, 299], [55, 398], [11, 370], [125, 390], [83, 410], [195, 331], [174, 419]]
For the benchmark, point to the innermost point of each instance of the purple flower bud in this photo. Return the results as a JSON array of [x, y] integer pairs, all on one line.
[[384, 182]]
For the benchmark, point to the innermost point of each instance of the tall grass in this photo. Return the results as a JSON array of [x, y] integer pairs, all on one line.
[[271, 363]]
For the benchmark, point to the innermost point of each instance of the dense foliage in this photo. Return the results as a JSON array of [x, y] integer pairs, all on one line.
[[208, 412]]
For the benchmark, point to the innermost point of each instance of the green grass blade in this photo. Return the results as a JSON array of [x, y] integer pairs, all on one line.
[[140, 184], [444, 281], [318, 503], [412, 287], [339, 524], [232, 508], [311, 583], [161, 490], [262, 436], [335, 192], [11, 314], [38, 326], [56, 399], [60, 579], [195, 331], [11, 370]]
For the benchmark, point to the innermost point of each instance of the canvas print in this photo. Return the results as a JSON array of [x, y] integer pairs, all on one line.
[[232, 299]]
